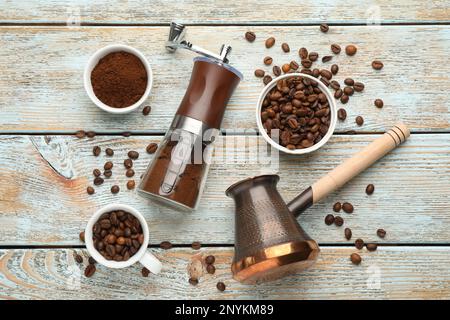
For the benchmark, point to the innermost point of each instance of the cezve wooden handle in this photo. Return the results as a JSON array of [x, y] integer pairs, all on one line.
[[359, 162]]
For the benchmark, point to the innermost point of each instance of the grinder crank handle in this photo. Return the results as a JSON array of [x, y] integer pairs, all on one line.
[[349, 168]]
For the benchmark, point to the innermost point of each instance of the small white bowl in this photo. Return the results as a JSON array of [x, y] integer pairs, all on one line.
[[143, 255], [333, 115], [95, 58]]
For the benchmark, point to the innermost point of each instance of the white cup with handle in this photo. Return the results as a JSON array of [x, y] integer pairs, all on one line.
[[142, 256]]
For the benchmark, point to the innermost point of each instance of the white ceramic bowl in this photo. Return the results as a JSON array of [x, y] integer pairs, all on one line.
[[143, 255], [94, 59], [333, 115]]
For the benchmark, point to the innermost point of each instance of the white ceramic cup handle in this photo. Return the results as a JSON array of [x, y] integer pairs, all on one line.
[[152, 263]]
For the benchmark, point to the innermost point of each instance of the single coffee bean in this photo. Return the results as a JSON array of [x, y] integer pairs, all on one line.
[[80, 134], [335, 48], [109, 152], [294, 65], [337, 207], [96, 172], [131, 185], [128, 163], [96, 151], [324, 28], [285, 47], [210, 259], [371, 246], [334, 69], [358, 86], [210, 269], [313, 56], [146, 111], [166, 245], [349, 81], [348, 91], [107, 173], [270, 42], [78, 258], [378, 103], [196, 245], [286, 67], [268, 61], [259, 73], [334, 84], [381, 233], [338, 93], [92, 260], [303, 53], [193, 281], [350, 50], [377, 65], [355, 258], [342, 114], [145, 272], [250, 36], [344, 98], [115, 189], [370, 189], [329, 219], [81, 236], [347, 207], [306, 63], [326, 74], [90, 190], [151, 148], [359, 120], [108, 165], [267, 79], [338, 221], [90, 270], [348, 233], [98, 181], [133, 155], [326, 58], [359, 243], [129, 173], [90, 134], [220, 286]]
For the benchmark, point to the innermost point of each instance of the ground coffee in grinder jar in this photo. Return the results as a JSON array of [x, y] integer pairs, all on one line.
[[178, 171]]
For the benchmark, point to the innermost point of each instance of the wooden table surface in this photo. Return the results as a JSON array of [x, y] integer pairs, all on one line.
[[45, 169]]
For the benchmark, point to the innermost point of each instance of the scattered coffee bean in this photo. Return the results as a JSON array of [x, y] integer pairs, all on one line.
[[270, 42], [166, 245], [355, 258], [359, 243], [131, 184], [347, 207], [250, 36], [348, 233], [359, 120], [334, 69], [90, 134], [268, 61], [338, 93], [210, 269], [350, 50], [129, 173], [303, 53], [90, 190], [381, 233], [377, 65], [92, 260], [78, 258], [128, 163], [378, 103], [334, 84], [133, 155], [260, 73], [370, 189], [326, 58], [151, 148], [109, 152], [358, 86], [324, 27], [294, 65], [337, 207], [342, 114], [349, 81], [344, 98], [276, 71], [306, 63], [335, 48], [98, 181], [371, 246], [220, 286], [267, 79], [196, 245], [90, 270], [96, 151], [146, 111], [285, 47], [108, 165], [193, 281], [96, 172], [286, 67], [210, 259], [81, 236], [338, 221], [80, 134], [107, 173], [313, 56], [348, 91], [329, 219], [145, 272], [115, 189]]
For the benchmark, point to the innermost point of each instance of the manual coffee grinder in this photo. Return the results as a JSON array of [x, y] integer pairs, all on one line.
[[177, 174]]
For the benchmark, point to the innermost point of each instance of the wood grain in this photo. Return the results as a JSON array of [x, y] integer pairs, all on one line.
[[217, 12], [41, 87], [388, 273], [43, 199]]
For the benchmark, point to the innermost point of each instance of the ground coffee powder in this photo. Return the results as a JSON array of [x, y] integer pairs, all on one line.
[[119, 79]]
